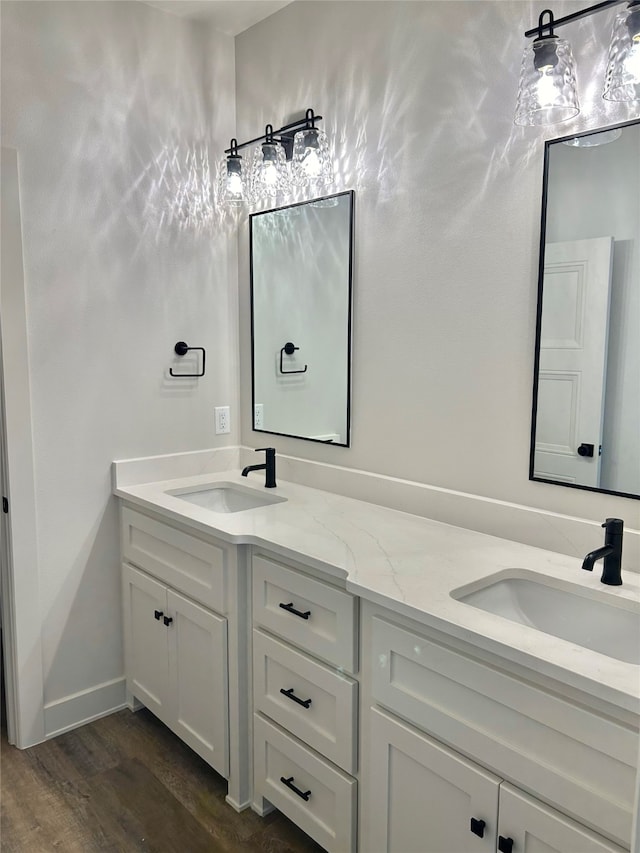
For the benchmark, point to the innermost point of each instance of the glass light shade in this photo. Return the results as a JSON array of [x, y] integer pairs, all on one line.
[[231, 182], [547, 92], [622, 79], [311, 162], [269, 171]]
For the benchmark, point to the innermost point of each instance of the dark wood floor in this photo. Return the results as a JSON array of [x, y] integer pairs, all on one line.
[[126, 783]]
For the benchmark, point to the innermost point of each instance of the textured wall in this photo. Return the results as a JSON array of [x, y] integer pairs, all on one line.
[[420, 97], [108, 105]]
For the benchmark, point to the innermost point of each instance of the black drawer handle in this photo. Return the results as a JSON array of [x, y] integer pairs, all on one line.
[[158, 614], [168, 620], [306, 703], [505, 845], [289, 783], [477, 827], [291, 609]]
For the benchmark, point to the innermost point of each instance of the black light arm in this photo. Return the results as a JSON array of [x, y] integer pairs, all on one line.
[[286, 130], [583, 13]]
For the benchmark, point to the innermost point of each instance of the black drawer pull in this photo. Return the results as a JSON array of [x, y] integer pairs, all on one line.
[[168, 620], [477, 827], [289, 783], [158, 614], [306, 703], [505, 845], [291, 609]]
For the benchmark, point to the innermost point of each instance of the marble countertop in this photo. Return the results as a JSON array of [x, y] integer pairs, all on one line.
[[411, 565]]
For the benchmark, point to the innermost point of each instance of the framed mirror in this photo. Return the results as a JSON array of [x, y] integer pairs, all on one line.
[[301, 286], [586, 396]]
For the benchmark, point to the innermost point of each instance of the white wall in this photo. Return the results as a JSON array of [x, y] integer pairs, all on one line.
[[104, 103], [596, 194], [419, 97]]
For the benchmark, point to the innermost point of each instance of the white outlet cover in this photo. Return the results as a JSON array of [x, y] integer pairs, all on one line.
[[223, 420]]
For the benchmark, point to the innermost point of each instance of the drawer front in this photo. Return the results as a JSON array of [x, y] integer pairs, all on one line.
[[186, 563], [312, 615], [327, 811], [580, 762], [319, 705]]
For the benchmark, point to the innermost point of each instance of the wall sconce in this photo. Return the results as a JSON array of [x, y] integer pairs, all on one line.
[[232, 183], [297, 154], [547, 92]]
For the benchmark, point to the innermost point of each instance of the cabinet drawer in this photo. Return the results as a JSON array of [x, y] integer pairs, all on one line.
[[327, 812], [575, 759], [322, 708], [312, 615], [186, 563]]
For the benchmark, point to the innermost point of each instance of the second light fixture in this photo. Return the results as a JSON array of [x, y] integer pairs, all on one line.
[[296, 155]]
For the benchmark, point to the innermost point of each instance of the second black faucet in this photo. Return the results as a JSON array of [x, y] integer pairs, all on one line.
[[268, 466]]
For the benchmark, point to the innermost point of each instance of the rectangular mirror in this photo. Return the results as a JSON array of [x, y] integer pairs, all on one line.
[[586, 396], [301, 282]]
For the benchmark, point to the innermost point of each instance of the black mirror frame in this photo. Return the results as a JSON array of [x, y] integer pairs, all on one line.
[[543, 230], [351, 194]]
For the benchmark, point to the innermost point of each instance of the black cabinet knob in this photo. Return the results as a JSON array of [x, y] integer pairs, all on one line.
[[477, 827], [168, 620], [505, 845], [158, 614], [586, 450]]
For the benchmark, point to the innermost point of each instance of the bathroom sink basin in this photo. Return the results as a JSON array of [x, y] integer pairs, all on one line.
[[226, 497], [564, 610]]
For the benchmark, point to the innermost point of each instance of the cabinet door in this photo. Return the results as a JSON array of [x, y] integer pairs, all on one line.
[[423, 796], [199, 680], [145, 605], [536, 828]]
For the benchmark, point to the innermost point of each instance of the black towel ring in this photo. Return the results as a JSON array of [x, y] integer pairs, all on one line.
[[289, 349], [182, 349]]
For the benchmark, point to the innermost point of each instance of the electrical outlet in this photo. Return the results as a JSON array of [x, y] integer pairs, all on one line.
[[258, 416], [223, 420]]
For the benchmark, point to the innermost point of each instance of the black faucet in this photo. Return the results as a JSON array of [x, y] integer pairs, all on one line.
[[611, 551], [269, 467]]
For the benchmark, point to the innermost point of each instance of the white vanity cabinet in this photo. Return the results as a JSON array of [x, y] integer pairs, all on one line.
[[185, 640], [429, 799], [177, 664], [305, 698], [452, 736]]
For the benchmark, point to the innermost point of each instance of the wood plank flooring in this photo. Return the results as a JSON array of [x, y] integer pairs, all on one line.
[[126, 783]]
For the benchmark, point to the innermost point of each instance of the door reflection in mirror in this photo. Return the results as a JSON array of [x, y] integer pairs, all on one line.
[[586, 414], [301, 283]]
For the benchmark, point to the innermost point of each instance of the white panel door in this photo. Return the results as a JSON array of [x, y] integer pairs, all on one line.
[[145, 605], [528, 826], [573, 356], [198, 676], [423, 797]]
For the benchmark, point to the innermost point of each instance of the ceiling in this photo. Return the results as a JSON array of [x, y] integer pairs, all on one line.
[[228, 16]]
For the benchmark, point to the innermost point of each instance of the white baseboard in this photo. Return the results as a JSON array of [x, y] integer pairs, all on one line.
[[83, 707]]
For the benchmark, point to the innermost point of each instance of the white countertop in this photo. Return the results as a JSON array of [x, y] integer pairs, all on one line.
[[410, 565]]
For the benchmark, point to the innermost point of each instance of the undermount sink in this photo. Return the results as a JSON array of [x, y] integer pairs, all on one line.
[[226, 497], [564, 610]]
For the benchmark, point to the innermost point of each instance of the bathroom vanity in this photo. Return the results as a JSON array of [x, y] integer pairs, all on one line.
[[311, 650]]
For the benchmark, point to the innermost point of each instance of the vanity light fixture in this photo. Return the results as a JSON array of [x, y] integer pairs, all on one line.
[[297, 154], [622, 78], [269, 172], [547, 91], [232, 189]]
